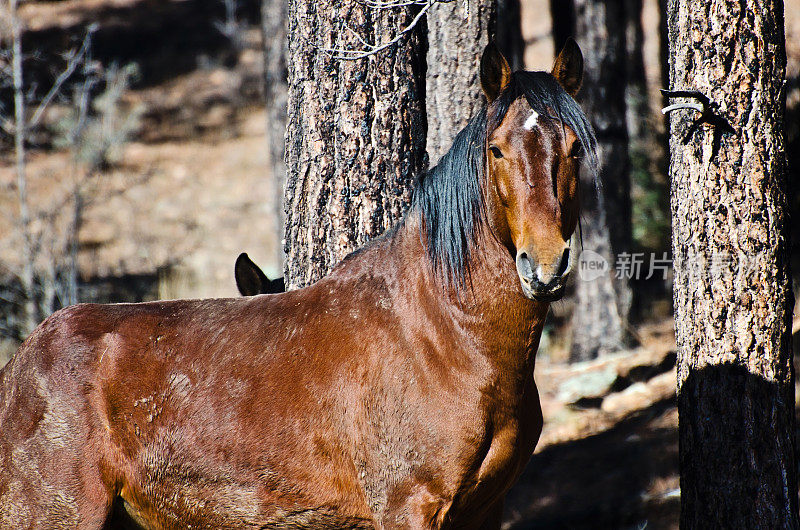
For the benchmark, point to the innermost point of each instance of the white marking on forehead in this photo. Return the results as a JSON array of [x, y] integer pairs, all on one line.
[[532, 120]]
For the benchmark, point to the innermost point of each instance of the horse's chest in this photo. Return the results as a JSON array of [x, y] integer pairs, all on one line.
[[500, 462], [494, 463]]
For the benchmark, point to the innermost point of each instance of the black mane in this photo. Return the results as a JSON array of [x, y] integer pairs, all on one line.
[[449, 198]]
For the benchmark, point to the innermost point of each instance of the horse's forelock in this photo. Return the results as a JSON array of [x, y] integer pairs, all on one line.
[[548, 98]]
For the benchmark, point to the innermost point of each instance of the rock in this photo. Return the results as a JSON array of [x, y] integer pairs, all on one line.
[[587, 385], [640, 395]]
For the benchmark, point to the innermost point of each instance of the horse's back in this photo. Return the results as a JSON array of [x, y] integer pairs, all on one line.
[[191, 411], [229, 409], [70, 421]]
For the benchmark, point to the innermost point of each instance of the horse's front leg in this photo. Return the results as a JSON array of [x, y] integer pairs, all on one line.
[[416, 506], [494, 517]]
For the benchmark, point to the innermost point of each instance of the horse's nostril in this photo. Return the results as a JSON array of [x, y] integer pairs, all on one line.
[[524, 265], [562, 267]]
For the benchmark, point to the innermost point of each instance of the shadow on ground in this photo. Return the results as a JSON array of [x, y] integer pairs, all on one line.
[[164, 38], [625, 477]]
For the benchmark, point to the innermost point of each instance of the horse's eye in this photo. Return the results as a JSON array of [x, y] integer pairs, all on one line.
[[496, 151], [577, 150]]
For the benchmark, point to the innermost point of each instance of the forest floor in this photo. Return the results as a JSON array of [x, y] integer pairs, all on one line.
[[608, 454], [192, 190]]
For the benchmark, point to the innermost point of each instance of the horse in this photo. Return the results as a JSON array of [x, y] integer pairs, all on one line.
[[395, 392], [251, 280]]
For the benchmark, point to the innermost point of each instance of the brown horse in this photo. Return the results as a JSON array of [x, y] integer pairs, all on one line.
[[397, 391]]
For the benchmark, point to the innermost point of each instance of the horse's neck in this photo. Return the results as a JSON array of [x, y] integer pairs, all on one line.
[[489, 307]]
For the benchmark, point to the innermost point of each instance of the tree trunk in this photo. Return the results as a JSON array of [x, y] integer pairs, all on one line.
[[457, 34], [274, 39], [637, 110], [732, 289], [647, 145], [356, 133], [563, 15], [601, 311], [508, 33]]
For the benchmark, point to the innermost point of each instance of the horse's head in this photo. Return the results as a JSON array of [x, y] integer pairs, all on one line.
[[536, 136]]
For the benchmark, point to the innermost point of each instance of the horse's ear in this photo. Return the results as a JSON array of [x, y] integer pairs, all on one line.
[[276, 286], [250, 280], [568, 68], [495, 72]]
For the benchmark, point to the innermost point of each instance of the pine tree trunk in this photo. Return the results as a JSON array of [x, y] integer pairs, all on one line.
[[457, 34], [647, 144], [356, 132], [637, 108], [602, 305], [732, 290], [562, 12], [508, 33], [274, 39]]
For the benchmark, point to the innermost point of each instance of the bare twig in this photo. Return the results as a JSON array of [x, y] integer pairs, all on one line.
[[372, 49], [356, 35], [378, 4], [74, 59], [231, 27], [6, 70], [7, 125], [83, 106], [676, 106], [709, 115]]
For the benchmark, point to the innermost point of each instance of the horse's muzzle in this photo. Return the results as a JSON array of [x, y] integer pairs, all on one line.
[[536, 284], [544, 293]]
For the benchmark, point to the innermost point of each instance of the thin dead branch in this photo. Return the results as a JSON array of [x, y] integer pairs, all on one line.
[[372, 49], [677, 106], [377, 4], [74, 58], [20, 133]]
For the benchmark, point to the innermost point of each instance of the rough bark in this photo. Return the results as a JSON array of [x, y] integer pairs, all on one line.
[[356, 132], [274, 39], [602, 305], [732, 288], [457, 34]]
